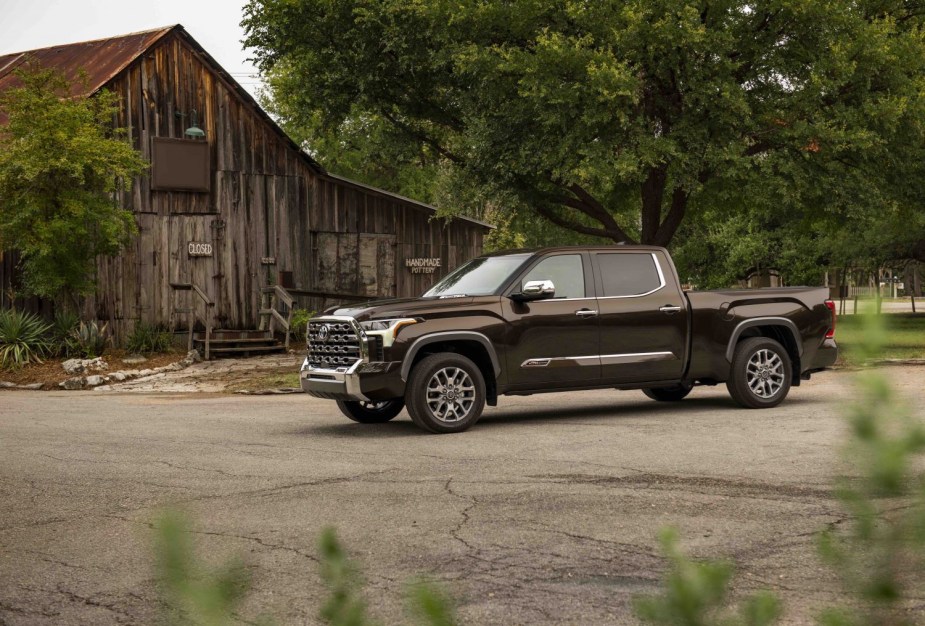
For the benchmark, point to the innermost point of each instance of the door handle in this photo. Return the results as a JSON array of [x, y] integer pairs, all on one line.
[[669, 309], [585, 313]]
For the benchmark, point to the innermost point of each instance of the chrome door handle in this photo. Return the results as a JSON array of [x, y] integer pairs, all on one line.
[[669, 309], [585, 313]]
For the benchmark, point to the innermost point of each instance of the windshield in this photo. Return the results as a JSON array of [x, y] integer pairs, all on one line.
[[478, 277]]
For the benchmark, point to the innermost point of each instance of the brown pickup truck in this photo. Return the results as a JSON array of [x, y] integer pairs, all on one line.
[[563, 319]]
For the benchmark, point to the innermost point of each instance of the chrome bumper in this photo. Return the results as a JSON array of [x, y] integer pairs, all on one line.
[[332, 384]]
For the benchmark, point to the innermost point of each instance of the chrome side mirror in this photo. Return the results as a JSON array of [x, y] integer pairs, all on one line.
[[536, 290]]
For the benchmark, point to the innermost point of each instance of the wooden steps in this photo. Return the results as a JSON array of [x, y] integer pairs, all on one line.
[[238, 343]]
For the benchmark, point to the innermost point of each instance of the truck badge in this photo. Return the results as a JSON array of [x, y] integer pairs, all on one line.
[[323, 333]]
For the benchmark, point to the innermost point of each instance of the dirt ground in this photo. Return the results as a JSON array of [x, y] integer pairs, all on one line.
[[546, 512], [50, 372]]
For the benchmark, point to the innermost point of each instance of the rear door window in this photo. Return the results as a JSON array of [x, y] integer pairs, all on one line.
[[629, 274]]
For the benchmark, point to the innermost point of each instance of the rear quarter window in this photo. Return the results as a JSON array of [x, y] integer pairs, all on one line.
[[628, 273]]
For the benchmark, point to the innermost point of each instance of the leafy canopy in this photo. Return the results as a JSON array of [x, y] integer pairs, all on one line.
[[612, 118], [61, 165]]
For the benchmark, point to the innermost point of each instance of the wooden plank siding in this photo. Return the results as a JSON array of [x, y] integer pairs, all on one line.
[[270, 210]]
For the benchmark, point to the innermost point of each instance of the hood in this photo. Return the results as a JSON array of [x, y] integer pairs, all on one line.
[[405, 307]]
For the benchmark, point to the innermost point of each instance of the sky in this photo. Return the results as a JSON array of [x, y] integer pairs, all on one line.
[[30, 24]]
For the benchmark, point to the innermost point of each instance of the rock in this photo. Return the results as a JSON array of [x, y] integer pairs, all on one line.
[[81, 366], [134, 358], [191, 357], [95, 381], [32, 387], [6, 385], [78, 382], [143, 373], [118, 376]]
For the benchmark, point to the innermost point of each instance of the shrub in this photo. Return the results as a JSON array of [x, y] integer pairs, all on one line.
[[299, 324], [23, 339], [90, 339], [147, 338], [61, 328], [695, 594]]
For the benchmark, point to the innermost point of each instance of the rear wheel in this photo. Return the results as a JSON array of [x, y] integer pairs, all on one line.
[[674, 393], [445, 393], [371, 412], [761, 373]]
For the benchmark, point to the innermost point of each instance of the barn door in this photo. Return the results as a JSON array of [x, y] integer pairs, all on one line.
[[195, 243], [354, 264]]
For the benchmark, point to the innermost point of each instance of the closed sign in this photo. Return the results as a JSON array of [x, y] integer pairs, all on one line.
[[199, 248]]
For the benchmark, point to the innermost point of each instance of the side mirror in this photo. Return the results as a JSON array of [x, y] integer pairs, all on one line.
[[536, 290]]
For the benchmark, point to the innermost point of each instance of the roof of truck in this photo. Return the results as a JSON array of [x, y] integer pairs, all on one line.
[[600, 248]]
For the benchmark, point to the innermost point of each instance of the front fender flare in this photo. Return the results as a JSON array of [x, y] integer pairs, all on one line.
[[460, 335]]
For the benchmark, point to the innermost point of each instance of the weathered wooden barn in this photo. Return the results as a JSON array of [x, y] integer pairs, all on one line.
[[242, 208]]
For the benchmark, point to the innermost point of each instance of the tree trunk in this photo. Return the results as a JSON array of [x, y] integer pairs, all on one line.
[[655, 230]]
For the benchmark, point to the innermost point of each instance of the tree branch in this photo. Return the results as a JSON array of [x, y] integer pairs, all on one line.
[[422, 137], [618, 236]]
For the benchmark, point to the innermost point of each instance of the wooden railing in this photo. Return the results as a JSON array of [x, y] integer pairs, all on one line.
[[270, 297], [193, 313]]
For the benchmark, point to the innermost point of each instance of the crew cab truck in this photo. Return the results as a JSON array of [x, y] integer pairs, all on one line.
[[562, 319]]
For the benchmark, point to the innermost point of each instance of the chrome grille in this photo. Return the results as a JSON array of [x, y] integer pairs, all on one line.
[[334, 343]]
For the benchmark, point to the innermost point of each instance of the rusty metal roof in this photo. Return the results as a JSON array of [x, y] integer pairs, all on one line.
[[100, 59]]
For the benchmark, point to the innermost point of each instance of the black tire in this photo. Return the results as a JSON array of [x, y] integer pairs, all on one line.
[[425, 396], [371, 412], [761, 373], [675, 393]]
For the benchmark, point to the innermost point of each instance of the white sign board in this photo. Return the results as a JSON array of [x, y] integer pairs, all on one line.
[[423, 265], [199, 248]]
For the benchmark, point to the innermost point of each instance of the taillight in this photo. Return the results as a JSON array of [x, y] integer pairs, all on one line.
[[830, 334]]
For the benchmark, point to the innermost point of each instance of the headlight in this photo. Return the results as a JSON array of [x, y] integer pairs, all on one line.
[[387, 329]]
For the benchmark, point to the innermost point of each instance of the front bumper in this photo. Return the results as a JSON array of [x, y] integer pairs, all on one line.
[[361, 382]]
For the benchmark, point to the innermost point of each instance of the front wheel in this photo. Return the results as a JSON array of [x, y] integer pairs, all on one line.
[[675, 393], [761, 373], [371, 412], [445, 393]]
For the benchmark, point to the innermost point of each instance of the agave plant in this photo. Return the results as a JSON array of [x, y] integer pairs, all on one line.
[[23, 339], [90, 339], [62, 328]]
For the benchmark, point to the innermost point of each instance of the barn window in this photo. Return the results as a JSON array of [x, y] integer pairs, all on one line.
[[180, 165]]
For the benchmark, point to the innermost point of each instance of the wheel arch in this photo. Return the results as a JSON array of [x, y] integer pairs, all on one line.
[[781, 329], [473, 345]]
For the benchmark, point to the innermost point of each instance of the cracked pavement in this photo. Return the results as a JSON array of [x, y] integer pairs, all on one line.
[[546, 512]]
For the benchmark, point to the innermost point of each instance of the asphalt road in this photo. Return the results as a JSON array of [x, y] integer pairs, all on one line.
[[546, 512]]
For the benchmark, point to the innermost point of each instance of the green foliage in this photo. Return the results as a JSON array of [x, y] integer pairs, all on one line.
[[23, 339], [345, 605], [299, 323], [62, 168], [619, 119], [695, 594], [880, 558], [89, 340], [62, 328], [192, 594], [148, 338]]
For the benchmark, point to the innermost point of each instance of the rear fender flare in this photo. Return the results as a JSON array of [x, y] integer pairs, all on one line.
[[421, 342], [763, 321]]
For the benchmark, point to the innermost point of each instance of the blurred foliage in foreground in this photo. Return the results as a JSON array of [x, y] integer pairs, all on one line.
[[878, 552]]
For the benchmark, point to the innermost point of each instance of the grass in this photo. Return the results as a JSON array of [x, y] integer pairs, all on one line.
[[905, 338], [276, 380]]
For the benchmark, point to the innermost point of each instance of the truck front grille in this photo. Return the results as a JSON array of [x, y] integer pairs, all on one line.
[[333, 344]]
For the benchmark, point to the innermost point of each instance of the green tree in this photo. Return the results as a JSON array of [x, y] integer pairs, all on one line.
[[61, 164], [615, 118]]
